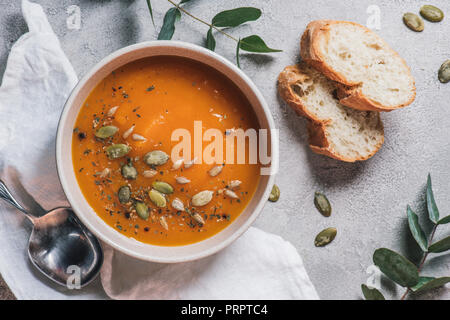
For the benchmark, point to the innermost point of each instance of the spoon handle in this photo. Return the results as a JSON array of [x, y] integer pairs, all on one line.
[[7, 196]]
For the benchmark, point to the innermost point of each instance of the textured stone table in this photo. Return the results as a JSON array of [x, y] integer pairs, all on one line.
[[369, 198]]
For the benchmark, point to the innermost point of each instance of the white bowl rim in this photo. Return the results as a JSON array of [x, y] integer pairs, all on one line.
[[267, 114]]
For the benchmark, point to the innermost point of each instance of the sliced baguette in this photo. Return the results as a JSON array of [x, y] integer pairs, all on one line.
[[334, 130], [370, 74]]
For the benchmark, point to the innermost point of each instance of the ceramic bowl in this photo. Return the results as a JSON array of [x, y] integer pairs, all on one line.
[[129, 246]]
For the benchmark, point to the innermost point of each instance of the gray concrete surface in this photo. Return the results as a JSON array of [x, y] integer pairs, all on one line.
[[369, 198]]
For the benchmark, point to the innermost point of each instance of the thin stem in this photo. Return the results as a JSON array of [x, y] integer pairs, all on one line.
[[202, 21], [422, 262]]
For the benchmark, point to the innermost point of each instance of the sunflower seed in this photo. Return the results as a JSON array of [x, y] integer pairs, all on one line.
[[274, 194], [106, 132], [413, 22], [142, 210], [163, 222], [234, 184], [231, 194], [129, 172], [182, 180], [177, 164], [117, 151], [325, 237], [124, 194], [215, 170], [149, 173], [322, 204], [112, 111], [177, 204], [156, 158], [444, 72], [202, 198], [157, 198], [189, 164], [431, 13], [127, 133], [106, 172], [198, 218], [138, 137], [162, 187]]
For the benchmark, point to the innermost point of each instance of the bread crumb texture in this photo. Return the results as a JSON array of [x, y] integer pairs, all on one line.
[[334, 129]]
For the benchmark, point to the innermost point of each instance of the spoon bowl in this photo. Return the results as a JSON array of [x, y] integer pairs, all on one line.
[[60, 246]]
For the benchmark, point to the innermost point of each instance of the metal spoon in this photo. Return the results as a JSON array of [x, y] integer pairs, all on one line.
[[60, 246]]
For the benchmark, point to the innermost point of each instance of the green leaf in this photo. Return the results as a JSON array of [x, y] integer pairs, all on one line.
[[235, 17], [440, 246], [151, 11], [427, 283], [184, 1], [172, 15], [416, 230], [371, 293], [396, 267], [210, 41], [255, 44], [444, 220], [433, 211], [237, 53]]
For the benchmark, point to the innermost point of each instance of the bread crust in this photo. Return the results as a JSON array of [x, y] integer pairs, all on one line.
[[350, 93], [316, 127]]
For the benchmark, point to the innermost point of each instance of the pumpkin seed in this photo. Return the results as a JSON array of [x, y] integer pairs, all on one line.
[[202, 198], [198, 218], [162, 187], [129, 172], [431, 13], [413, 22], [274, 194], [106, 172], [157, 198], [444, 72], [127, 133], [322, 204], [234, 184], [177, 204], [163, 222], [189, 164], [138, 137], [112, 111], [156, 158], [231, 194], [117, 150], [182, 180], [325, 237], [142, 210], [215, 170], [177, 164], [149, 173], [106, 132], [124, 194]]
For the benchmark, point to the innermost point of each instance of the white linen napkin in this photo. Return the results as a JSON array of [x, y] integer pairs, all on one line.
[[36, 83]]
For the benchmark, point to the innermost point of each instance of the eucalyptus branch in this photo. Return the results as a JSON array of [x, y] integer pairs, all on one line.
[[225, 19], [202, 21], [401, 270], [422, 262]]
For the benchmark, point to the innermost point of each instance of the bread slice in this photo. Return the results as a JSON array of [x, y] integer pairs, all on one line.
[[334, 130], [370, 74]]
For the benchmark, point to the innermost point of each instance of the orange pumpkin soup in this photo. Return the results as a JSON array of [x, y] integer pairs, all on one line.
[[122, 146]]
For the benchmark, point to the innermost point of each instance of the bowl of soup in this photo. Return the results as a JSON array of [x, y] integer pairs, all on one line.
[[166, 151]]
